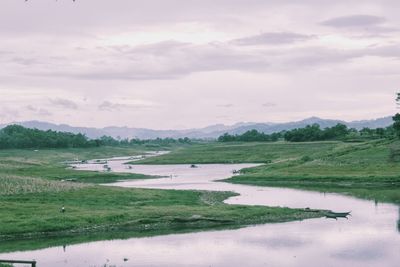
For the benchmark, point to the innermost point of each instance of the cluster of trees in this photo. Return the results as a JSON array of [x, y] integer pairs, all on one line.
[[16, 136], [313, 133], [250, 136], [337, 132], [110, 141]]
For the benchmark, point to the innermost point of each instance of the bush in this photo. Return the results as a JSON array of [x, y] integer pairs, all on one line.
[[394, 153], [306, 159]]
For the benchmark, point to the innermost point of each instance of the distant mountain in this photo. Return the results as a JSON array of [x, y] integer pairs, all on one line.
[[378, 123], [212, 131]]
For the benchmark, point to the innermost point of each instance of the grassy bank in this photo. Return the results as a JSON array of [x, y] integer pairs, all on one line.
[[32, 194], [236, 152], [97, 208], [48, 164], [359, 169]]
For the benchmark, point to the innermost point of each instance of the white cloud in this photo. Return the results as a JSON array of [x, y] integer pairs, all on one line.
[[273, 38], [354, 21], [64, 103]]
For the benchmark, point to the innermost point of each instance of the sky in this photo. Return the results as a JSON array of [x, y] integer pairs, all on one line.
[[174, 64]]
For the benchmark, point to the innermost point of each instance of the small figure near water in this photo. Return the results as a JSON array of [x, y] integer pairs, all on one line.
[[193, 166], [62, 209]]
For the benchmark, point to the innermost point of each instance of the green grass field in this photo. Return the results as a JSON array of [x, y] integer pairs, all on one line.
[[359, 169], [32, 194]]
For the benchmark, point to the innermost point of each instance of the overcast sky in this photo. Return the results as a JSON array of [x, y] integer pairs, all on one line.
[[190, 63]]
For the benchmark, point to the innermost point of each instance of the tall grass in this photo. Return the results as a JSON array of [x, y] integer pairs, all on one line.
[[11, 185]]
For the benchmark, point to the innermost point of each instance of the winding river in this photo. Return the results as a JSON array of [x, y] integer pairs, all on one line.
[[370, 237]]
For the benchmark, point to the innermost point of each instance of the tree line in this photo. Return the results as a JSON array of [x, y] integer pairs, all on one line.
[[337, 132], [250, 136], [314, 133], [110, 141], [16, 136]]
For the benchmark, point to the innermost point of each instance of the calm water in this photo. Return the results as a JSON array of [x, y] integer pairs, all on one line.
[[368, 238]]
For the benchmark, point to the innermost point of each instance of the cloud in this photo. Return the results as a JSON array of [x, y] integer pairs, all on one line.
[[64, 103], [24, 61], [354, 21], [112, 106], [158, 48], [373, 26], [273, 38], [147, 63], [182, 59], [268, 105], [226, 105], [109, 106], [392, 51], [38, 111]]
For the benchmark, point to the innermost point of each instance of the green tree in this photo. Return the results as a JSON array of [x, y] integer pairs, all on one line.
[[396, 118], [396, 124]]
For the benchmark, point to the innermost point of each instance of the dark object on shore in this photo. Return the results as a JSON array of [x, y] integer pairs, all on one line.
[[63, 209], [235, 172], [193, 166], [335, 215]]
